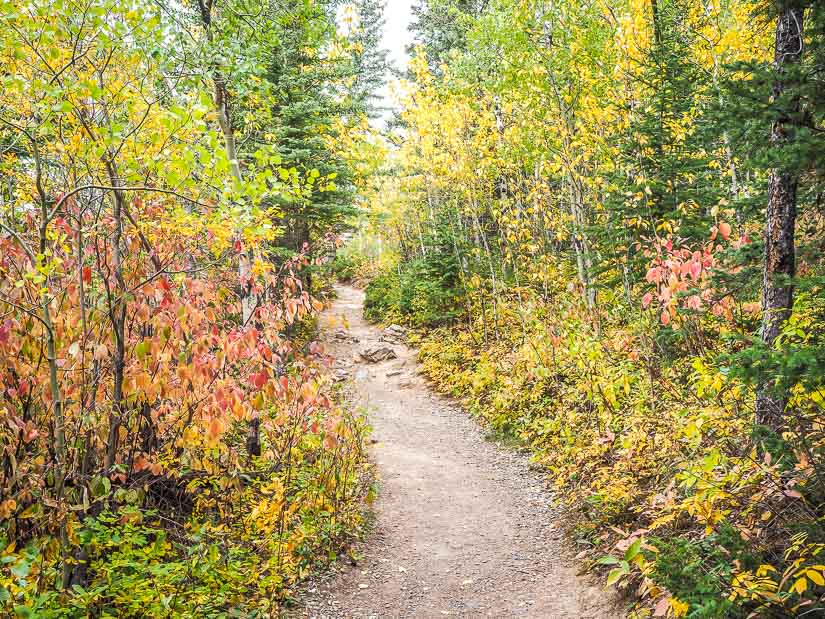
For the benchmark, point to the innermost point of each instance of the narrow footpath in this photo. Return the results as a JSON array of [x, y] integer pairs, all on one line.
[[463, 527]]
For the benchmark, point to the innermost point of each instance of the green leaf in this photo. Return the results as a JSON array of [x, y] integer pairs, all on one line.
[[614, 575], [142, 349], [23, 611], [607, 560], [21, 569], [32, 511], [100, 486], [633, 549]]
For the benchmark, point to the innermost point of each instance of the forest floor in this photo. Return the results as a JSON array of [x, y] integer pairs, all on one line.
[[462, 526]]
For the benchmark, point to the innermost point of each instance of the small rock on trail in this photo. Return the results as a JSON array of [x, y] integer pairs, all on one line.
[[341, 335], [376, 354], [463, 528], [395, 334]]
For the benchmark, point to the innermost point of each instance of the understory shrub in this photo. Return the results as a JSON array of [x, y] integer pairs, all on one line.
[[247, 541], [346, 267], [421, 293], [652, 454]]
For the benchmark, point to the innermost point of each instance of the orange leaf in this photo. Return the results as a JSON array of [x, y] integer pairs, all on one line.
[[724, 230], [215, 429], [259, 380]]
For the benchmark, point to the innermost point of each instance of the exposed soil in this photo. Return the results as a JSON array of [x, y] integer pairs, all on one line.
[[463, 527]]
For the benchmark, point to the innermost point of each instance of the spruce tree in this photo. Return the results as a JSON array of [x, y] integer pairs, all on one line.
[[304, 116], [369, 64]]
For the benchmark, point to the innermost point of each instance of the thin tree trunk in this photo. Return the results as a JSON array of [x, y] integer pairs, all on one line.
[[117, 315], [584, 260], [221, 100], [248, 301], [491, 266], [51, 349], [421, 236], [60, 451], [657, 30], [780, 258]]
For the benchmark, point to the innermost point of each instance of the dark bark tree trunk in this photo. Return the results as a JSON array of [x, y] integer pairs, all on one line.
[[780, 258], [657, 31], [221, 99]]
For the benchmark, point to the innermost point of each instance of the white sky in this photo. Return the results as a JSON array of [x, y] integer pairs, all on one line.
[[398, 15], [395, 39]]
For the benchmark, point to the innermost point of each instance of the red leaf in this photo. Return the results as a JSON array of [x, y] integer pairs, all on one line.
[[30, 434], [647, 299], [665, 318], [5, 331], [87, 275], [259, 380], [140, 464], [653, 275], [694, 302]]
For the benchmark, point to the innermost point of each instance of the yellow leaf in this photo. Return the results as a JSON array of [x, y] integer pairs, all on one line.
[[816, 577], [679, 608]]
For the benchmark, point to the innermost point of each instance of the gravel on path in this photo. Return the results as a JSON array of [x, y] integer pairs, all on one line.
[[463, 527]]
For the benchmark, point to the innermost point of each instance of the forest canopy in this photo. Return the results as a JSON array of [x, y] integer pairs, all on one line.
[[602, 221]]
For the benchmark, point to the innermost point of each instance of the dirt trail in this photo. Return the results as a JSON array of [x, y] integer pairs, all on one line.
[[463, 527]]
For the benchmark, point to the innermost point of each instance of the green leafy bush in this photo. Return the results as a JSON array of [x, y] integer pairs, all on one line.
[[346, 267], [382, 297], [699, 571], [423, 293]]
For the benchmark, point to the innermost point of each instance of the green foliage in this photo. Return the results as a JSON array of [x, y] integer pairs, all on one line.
[[369, 62], [305, 124], [427, 295], [423, 295], [347, 266], [382, 298], [237, 555], [699, 571], [670, 144], [441, 26]]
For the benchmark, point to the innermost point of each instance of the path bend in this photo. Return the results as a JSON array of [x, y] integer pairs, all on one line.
[[463, 528]]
